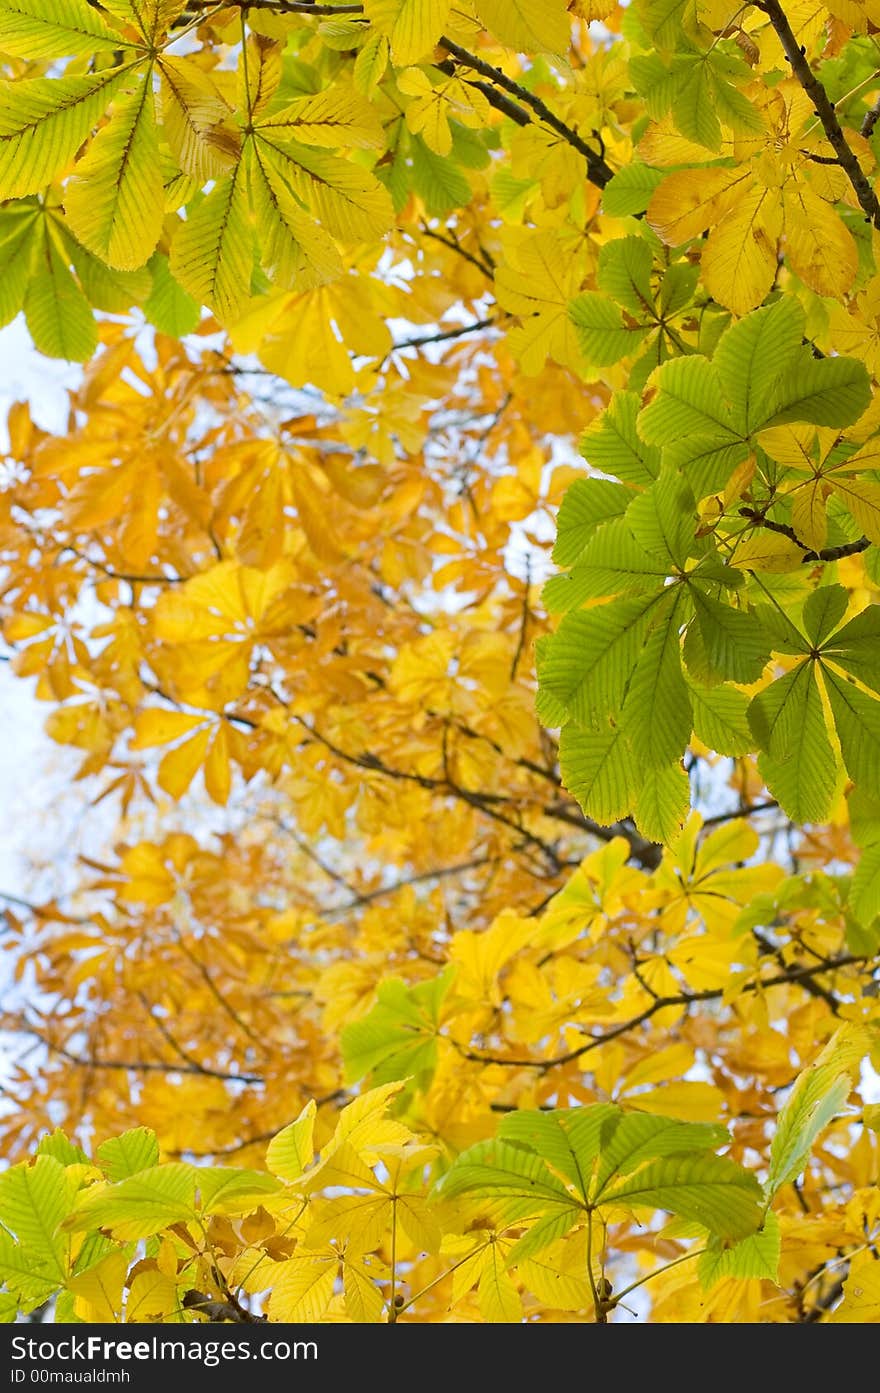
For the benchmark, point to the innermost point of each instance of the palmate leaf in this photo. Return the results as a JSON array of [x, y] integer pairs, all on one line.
[[168, 307], [543, 26], [196, 121], [857, 720], [602, 332], [694, 108], [818, 1095], [704, 413], [855, 647], [37, 29], [657, 708], [302, 1287], [754, 1257], [568, 1138], [346, 199], [624, 273], [662, 520], [58, 314], [34, 1201], [588, 503], [398, 1037], [777, 712], [437, 180], [557, 1167], [801, 768], [634, 1138], [292, 246], [515, 1183], [293, 1149], [734, 643], [613, 563], [689, 402], [825, 392], [24, 1273], [630, 190], [864, 892], [130, 1153], [43, 122], [709, 1190], [212, 254], [753, 354], [59, 1145], [823, 611], [9, 1308], [115, 201], [231, 1190], [336, 117], [98, 1289], [861, 1292], [412, 27], [614, 445], [142, 1205], [599, 769], [104, 288], [151, 17], [17, 239], [720, 718], [589, 661], [662, 802]]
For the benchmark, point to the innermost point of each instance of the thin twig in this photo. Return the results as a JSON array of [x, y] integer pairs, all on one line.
[[486, 266], [140, 1066], [793, 977], [598, 172], [824, 109], [457, 333]]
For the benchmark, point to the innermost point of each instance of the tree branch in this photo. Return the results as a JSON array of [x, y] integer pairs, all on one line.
[[218, 1312], [783, 528], [216, 992], [822, 554], [138, 1066], [505, 105], [837, 553], [598, 172], [824, 109], [130, 578], [789, 978], [457, 333], [486, 266], [383, 891], [814, 988], [871, 119]]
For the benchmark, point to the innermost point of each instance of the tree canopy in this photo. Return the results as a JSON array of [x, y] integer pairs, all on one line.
[[459, 575]]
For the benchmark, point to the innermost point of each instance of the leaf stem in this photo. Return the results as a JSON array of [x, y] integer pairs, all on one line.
[[601, 1312], [657, 1272]]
